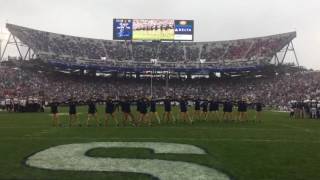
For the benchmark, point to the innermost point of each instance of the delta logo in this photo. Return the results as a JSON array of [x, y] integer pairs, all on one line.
[[183, 29]]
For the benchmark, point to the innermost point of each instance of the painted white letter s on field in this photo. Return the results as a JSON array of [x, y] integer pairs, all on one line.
[[72, 157]]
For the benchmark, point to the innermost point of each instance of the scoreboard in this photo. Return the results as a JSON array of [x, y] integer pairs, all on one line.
[[122, 29], [153, 29]]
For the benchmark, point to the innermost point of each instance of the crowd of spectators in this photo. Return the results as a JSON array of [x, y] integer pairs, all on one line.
[[274, 91], [58, 45]]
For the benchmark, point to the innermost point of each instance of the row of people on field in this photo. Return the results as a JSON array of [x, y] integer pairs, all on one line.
[[305, 109], [147, 108], [30, 104]]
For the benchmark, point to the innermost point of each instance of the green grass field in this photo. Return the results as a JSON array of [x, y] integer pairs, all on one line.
[[277, 148], [153, 35]]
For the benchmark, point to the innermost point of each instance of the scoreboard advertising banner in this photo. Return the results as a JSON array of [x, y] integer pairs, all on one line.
[[153, 29]]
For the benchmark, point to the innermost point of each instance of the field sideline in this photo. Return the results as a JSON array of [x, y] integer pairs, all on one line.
[[277, 148]]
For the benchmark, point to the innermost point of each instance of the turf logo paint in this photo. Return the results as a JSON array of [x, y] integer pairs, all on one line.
[[64, 114], [72, 157]]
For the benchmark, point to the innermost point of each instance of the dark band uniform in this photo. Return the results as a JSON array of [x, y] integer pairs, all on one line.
[[225, 106], [214, 106], [242, 106], [167, 105], [258, 106], [183, 105], [72, 107], [110, 107], [138, 102], [125, 106], [204, 106], [92, 109], [197, 105], [143, 107], [153, 105], [54, 107], [230, 106]]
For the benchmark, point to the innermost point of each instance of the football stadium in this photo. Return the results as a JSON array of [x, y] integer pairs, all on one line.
[[153, 101]]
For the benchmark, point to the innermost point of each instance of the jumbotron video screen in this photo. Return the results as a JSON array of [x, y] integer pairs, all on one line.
[[153, 29]]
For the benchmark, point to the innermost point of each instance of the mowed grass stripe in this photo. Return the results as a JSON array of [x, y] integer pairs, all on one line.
[[277, 148], [31, 138]]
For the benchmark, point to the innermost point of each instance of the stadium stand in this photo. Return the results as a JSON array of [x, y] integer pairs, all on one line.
[[70, 52], [59, 49], [274, 91]]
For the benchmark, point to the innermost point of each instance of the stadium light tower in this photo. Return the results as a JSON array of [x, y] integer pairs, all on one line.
[[0, 49], [202, 61], [1, 45], [154, 62], [3, 37]]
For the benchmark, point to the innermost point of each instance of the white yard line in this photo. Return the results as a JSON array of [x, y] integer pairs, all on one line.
[[37, 133], [156, 127], [297, 128]]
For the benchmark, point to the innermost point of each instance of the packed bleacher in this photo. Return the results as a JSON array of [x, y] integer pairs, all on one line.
[[274, 91], [61, 50], [71, 50]]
